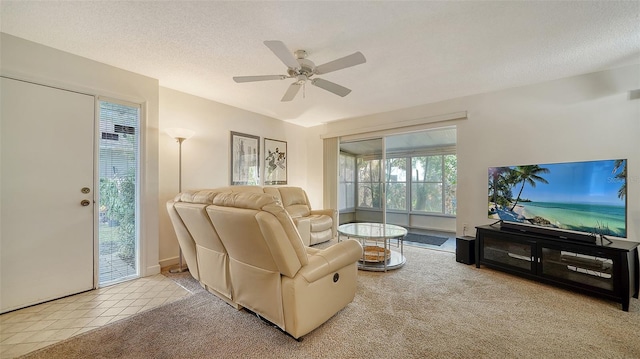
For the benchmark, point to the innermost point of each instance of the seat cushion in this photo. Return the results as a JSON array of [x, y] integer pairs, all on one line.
[[319, 237], [320, 222]]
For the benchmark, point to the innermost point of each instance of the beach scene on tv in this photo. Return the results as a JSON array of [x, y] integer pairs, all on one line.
[[579, 196]]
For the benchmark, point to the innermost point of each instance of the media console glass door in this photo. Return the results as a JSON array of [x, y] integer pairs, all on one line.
[[514, 255], [593, 270]]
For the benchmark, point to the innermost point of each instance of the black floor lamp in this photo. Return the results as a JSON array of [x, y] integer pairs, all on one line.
[[180, 134]]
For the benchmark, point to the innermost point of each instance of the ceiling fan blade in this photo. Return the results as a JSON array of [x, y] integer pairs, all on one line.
[[258, 78], [331, 87], [341, 63], [292, 91], [283, 53]]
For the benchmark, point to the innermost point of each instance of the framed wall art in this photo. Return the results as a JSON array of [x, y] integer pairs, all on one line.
[[245, 159], [275, 162]]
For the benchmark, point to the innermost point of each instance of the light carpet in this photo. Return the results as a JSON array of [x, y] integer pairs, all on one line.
[[433, 307]]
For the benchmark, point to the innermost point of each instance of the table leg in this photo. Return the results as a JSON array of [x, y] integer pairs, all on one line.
[[387, 247]]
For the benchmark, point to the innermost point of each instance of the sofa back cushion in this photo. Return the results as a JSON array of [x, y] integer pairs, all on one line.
[[241, 235], [255, 229], [187, 244], [205, 196], [195, 218], [295, 201], [196, 196], [211, 254]]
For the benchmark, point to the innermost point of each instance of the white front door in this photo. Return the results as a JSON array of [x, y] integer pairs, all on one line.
[[46, 218]]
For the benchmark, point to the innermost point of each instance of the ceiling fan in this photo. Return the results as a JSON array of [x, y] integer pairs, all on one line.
[[301, 69]]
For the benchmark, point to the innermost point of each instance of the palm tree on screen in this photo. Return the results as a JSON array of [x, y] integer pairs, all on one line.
[[499, 186], [531, 175], [622, 176]]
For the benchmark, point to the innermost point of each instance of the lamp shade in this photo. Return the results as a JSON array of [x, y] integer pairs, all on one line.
[[179, 132]]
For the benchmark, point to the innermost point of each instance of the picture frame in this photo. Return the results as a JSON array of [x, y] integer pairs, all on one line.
[[275, 162], [245, 159]]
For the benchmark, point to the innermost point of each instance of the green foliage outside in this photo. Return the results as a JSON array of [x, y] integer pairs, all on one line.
[[118, 199], [427, 183], [433, 177], [450, 183], [396, 173], [369, 193]]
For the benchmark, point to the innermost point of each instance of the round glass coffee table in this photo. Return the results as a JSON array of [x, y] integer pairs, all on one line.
[[377, 240]]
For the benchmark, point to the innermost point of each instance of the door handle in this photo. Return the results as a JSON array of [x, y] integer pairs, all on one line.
[[85, 202]]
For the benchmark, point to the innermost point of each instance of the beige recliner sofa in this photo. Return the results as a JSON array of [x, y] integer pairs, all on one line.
[[314, 226], [244, 247]]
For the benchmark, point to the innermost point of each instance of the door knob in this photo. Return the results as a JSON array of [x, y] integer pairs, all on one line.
[[85, 202]]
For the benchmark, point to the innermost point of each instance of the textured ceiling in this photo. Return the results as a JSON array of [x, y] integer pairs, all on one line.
[[417, 52]]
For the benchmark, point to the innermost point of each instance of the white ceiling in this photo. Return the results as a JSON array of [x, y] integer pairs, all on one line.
[[417, 52]]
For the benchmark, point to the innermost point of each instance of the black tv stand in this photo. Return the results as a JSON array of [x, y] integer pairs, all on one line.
[[609, 270], [496, 222]]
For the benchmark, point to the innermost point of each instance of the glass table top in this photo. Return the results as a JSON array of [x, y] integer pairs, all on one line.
[[371, 230]]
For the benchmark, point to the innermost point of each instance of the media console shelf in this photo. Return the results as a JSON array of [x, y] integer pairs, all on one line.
[[608, 270]]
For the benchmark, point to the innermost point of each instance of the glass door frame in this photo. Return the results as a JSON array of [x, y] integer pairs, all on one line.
[[138, 195], [383, 189]]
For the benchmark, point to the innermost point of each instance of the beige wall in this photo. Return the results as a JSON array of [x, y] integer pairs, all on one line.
[[205, 156], [581, 118], [25, 60]]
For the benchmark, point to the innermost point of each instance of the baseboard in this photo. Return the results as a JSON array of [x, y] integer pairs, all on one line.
[[152, 270], [168, 262]]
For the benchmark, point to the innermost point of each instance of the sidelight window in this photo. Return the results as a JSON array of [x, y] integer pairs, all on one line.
[[118, 198]]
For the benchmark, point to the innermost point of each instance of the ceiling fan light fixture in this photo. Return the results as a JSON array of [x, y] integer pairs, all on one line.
[[301, 79]]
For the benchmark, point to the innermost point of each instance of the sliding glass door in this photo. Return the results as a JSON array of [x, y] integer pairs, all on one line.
[[407, 179]]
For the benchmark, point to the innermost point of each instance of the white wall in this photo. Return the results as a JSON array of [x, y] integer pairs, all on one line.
[[29, 61], [205, 156], [314, 168], [581, 118]]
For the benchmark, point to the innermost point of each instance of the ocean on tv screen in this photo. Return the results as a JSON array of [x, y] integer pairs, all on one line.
[[580, 196], [576, 217]]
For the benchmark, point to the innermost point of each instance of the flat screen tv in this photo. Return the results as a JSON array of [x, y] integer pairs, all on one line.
[[587, 199]]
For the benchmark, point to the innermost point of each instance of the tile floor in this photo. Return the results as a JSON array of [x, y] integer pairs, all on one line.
[[25, 330]]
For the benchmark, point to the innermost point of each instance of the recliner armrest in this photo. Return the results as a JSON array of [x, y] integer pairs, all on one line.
[[331, 213], [327, 212], [331, 259]]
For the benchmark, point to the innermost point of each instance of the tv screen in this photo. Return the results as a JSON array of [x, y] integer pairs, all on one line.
[[589, 197]]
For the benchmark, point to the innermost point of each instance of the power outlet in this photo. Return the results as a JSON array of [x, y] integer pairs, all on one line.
[[465, 228]]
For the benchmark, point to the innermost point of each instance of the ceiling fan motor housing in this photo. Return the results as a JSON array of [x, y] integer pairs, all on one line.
[[307, 68]]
